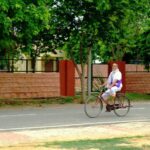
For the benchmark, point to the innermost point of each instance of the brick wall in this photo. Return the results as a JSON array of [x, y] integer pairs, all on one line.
[[43, 85], [20, 85], [138, 82]]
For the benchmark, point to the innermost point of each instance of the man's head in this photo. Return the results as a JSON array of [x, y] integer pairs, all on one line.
[[114, 66]]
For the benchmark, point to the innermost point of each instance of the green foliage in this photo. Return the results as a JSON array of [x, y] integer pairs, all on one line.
[[144, 46], [21, 25], [89, 21], [124, 30], [111, 29]]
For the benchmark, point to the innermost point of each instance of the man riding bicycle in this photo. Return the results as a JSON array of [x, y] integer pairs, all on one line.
[[113, 85]]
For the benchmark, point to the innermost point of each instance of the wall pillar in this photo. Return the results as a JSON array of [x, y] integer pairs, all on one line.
[[67, 78]]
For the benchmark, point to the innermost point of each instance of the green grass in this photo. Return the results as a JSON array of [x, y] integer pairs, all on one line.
[[62, 100], [101, 144], [36, 102], [138, 97]]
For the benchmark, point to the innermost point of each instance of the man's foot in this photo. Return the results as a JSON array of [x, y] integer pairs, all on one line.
[[109, 108]]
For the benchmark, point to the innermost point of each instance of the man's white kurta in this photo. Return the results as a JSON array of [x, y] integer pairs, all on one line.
[[114, 75]]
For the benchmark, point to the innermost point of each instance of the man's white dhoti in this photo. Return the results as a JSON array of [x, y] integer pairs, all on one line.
[[110, 92]]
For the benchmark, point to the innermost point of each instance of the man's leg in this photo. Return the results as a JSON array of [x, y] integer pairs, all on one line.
[[113, 93], [113, 96], [106, 96]]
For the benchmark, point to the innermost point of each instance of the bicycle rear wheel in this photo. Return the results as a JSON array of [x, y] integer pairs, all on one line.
[[93, 106], [121, 106]]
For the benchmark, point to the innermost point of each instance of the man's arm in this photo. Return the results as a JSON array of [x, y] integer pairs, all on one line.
[[113, 84], [105, 83]]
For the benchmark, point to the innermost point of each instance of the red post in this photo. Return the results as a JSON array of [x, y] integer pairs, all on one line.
[[121, 65], [62, 71], [67, 78], [70, 82]]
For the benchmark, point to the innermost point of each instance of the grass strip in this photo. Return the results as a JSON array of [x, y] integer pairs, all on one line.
[[124, 143], [62, 100]]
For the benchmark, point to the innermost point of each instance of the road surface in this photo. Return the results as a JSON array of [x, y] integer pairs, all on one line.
[[68, 115]]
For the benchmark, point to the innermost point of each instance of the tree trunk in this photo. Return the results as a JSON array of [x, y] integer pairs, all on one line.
[[89, 79], [83, 96], [81, 74]]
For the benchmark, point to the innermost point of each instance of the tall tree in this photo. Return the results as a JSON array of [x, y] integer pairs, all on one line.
[[89, 21], [122, 41], [23, 25]]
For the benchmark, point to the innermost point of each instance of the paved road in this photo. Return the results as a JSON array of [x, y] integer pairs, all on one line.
[[64, 116]]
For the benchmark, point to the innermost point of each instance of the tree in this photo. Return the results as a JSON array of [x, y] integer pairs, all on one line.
[[23, 25], [144, 46], [88, 21], [110, 29], [141, 36], [123, 38], [8, 43], [31, 28]]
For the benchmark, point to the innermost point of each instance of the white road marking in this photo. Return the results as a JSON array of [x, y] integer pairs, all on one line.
[[18, 115], [51, 114], [74, 125], [139, 108]]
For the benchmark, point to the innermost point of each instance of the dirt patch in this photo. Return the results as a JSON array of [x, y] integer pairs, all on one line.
[[140, 142], [25, 140]]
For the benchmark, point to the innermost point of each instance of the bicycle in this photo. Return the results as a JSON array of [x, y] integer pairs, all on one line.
[[94, 104]]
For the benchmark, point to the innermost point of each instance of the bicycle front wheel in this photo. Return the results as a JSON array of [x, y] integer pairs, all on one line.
[[121, 106], [93, 106]]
